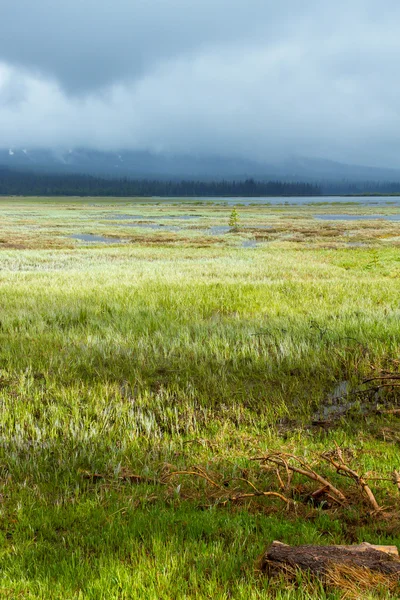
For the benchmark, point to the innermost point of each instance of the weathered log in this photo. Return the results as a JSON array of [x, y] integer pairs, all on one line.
[[319, 559]]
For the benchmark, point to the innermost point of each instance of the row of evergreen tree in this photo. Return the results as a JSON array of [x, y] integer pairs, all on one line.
[[13, 183], [373, 188]]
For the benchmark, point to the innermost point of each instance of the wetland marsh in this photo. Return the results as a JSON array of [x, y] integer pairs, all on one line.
[[141, 338]]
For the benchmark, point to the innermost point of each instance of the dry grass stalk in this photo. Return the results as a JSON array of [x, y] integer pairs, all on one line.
[[357, 582]]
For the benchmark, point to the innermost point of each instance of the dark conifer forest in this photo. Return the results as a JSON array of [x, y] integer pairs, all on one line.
[[34, 184]]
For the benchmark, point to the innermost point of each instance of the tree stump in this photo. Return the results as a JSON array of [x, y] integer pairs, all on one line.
[[318, 560]]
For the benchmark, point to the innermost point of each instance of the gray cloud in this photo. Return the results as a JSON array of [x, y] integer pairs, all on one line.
[[257, 78], [91, 43]]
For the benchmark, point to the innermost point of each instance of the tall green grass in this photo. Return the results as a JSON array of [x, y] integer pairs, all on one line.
[[137, 356]]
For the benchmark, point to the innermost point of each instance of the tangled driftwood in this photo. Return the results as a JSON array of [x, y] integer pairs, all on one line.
[[284, 466], [283, 463], [223, 497]]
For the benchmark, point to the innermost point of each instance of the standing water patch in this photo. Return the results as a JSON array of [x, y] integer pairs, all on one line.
[[126, 217], [219, 230], [145, 225], [356, 217], [88, 237]]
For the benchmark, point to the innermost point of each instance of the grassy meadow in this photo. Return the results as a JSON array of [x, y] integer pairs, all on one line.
[[148, 353]]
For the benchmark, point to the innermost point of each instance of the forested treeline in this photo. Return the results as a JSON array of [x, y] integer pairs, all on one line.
[[13, 183], [338, 188]]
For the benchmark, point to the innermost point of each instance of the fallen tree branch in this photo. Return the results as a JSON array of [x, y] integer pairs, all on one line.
[[284, 466], [320, 559], [236, 497], [197, 473], [242, 496], [282, 459], [394, 376], [343, 469]]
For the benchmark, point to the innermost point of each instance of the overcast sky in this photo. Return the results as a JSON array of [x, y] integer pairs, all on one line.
[[257, 78]]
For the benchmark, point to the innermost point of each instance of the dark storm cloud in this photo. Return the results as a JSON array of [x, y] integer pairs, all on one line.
[[259, 78], [89, 43]]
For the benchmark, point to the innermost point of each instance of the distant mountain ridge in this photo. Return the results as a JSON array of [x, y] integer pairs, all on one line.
[[144, 164]]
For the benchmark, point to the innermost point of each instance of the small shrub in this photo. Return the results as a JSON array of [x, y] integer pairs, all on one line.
[[234, 220]]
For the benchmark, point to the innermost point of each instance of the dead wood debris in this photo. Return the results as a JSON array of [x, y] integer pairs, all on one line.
[[360, 481], [327, 491], [285, 463], [124, 476], [318, 559], [221, 495], [283, 467], [352, 569]]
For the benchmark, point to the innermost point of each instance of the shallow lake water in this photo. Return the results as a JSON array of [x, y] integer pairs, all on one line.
[[293, 200], [218, 230], [342, 400], [150, 226], [88, 237], [346, 217], [126, 217]]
